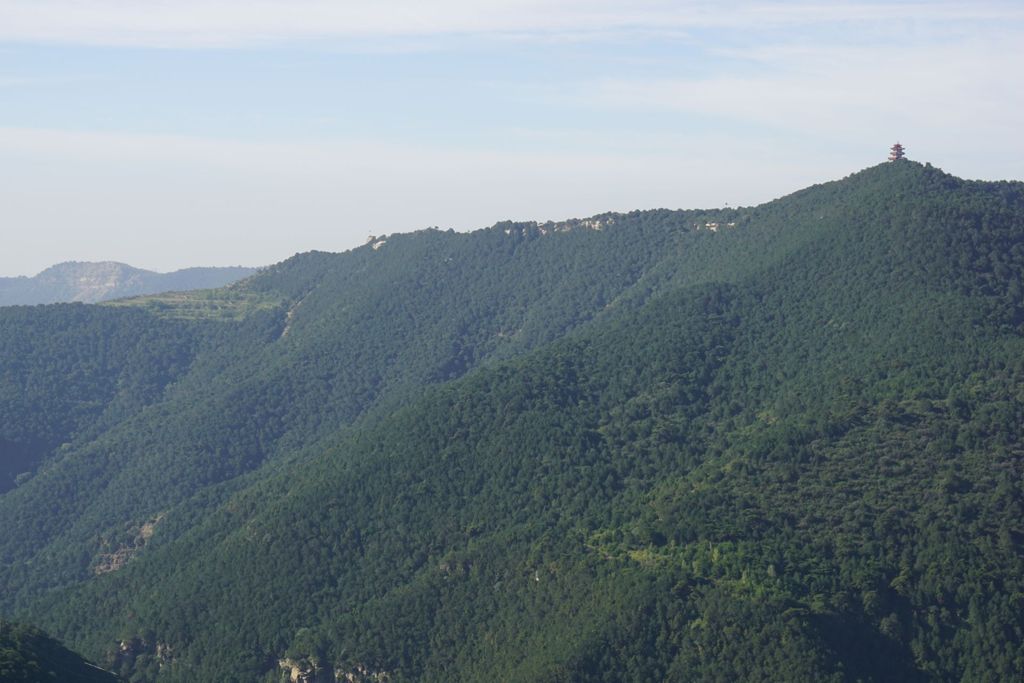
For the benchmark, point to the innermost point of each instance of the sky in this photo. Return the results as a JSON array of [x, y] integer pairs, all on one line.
[[176, 133]]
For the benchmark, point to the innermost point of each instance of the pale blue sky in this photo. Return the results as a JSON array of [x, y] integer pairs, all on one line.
[[212, 132]]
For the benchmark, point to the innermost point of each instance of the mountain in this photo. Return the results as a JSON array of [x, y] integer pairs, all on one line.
[[770, 443], [106, 280], [28, 655]]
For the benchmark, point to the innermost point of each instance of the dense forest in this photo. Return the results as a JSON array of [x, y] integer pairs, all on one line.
[[777, 443], [27, 655]]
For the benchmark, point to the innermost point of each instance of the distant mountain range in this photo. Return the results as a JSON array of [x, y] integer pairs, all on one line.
[[106, 280]]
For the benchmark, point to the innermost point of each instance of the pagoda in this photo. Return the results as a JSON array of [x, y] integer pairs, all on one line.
[[896, 153]]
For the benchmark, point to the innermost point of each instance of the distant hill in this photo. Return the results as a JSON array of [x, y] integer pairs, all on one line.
[[772, 443], [106, 280]]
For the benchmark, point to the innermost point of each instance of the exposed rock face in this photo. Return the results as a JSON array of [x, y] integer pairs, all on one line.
[[313, 671], [128, 651], [531, 229], [116, 558], [306, 671], [362, 674], [93, 282]]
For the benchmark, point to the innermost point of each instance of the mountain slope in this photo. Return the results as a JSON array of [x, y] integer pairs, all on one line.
[[94, 282], [28, 655], [71, 369], [789, 449], [344, 336]]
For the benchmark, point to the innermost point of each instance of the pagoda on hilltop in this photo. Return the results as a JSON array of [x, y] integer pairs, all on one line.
[[896, 153]]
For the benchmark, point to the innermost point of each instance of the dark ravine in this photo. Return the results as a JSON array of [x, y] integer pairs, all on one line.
[[772, 443], [27, 655]]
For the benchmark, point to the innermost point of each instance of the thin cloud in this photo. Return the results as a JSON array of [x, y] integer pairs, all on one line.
[[234, 23], [830, 91]]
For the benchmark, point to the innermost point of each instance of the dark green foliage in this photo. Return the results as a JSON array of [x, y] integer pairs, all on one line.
[[786, 450], [27, 655], [68, 370]]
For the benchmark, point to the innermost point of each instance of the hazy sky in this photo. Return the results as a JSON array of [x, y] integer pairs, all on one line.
[[170, 133]]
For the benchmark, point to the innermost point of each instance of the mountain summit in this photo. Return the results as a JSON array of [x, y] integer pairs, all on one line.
[[779, 443], [106, 280]]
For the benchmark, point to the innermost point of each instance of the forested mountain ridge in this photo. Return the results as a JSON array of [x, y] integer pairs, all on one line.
[[105, 280], [775, 443]]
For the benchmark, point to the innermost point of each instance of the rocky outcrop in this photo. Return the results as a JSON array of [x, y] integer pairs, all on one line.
[[115, 559], [132, 651], [306, 671], [312, 670], [363, 674]]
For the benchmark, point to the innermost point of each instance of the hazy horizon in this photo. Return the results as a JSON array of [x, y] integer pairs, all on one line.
[[200, 266], [220, 133]]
